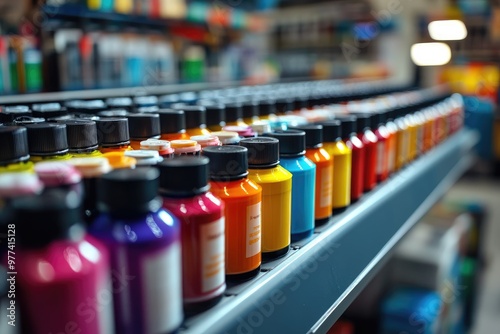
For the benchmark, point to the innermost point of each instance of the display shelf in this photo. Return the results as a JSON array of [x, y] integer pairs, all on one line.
[[309, 289]]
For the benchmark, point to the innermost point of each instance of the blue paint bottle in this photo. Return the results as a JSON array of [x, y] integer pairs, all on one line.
[[292, 158]]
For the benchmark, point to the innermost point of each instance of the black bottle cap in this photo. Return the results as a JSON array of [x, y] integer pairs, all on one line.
[[113, 113], [86, 107], [196, 116], [314, 135], [60, 208], [292, 142], [234, 112], [47, 138], [216, 114], [263, 152], [227, 163], [27, 120], [144, 126], [267, 106], [166, 101], [14, 141], [48, 110], [119, 103], [112, 132], [172, 121], [347, 126], [125, 191], [284, 105], [8, 114], [331, 131], [250, 109], [184, 176], [82, 135], [362, 122], [145, 101]]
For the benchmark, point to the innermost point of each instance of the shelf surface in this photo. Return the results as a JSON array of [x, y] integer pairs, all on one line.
[[310, 288]]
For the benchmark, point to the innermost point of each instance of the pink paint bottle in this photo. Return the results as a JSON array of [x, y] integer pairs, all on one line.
[[185, 190], [64, 283]]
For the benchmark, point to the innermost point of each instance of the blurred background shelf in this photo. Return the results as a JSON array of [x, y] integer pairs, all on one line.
[[321, 276]]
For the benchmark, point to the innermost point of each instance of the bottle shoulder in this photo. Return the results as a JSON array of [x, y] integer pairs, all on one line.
[[270, 175], [235, 189]]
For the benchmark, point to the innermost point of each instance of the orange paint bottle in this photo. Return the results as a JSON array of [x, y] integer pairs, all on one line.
[[173, 124], [242, 198]]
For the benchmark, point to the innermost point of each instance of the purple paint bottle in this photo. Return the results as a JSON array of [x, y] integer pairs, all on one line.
[[144, 245]]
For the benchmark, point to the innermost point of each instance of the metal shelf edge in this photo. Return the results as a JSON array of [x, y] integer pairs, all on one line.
[[309, 290]]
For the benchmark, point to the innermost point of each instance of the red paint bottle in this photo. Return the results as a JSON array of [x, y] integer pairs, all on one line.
[[184, 187], [370, 142], [358, 155], [378, 121]]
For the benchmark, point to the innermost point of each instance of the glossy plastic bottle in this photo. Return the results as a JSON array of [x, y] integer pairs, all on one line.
[[370, 142], [48, 141], [185, 190], [61, 263], [413, 130], [14, 155], [348, 126], [143, 241], [384, 146], [393, 131], [276, 183], [82, 138], [143, 127], [234, 114], [293, 159], [216, 116], [196, 119], [342, 164], [324, 172], [403, 139], [113, 135], [242, 198], [173, 124], [250, 111]]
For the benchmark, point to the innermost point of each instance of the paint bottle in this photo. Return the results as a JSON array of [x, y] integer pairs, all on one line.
[[77, 265], [82, 138], [163, 147], [118, 160], [216, 116], [142, 127], [185, 147], [392, 128], [47, 141], [377, 121], [196, 119], [143, 241], [14, 155], [428, 129], [227, 137], [59, 175], [206, 141], [292, 158], [348, 127], [234, 114], [242, 131], [242, 201], [173, 124], [324, 172], [9, 114], [91, 169], [403, 139], [420, 122], [276, 183], [250, 111], [370, 142], [413, 134], [185, 190], [113, 135], [342, 164]]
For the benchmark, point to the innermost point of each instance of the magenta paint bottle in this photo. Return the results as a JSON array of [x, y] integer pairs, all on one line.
[[185, 190], [64, 280], [143, 240]]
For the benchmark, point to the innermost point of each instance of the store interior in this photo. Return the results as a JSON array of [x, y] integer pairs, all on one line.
[[345, 178]]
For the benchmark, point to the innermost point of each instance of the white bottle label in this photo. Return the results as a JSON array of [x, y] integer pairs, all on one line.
[[163, 290], [380, 157], [213, 258], [253, 229], [326, 187]]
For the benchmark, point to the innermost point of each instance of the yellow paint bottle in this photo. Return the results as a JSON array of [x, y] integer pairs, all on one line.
[[276, 183], [402, 140], [82, 138], [14, 155]]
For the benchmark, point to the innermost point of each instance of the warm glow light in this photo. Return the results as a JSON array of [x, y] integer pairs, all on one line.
[[447, 30], [430, 54]]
